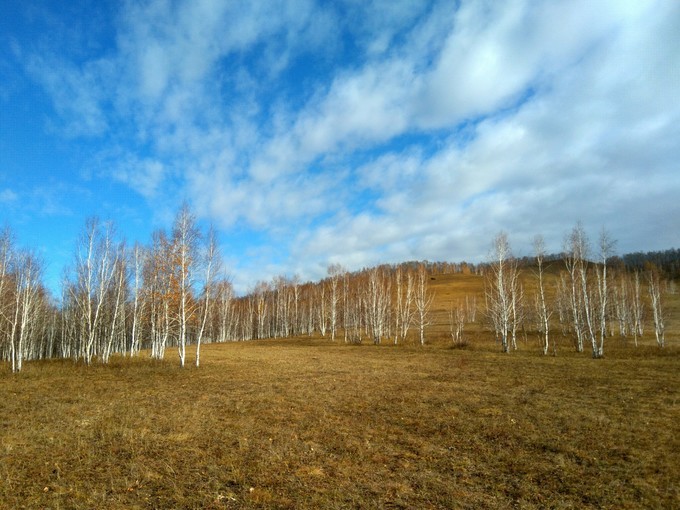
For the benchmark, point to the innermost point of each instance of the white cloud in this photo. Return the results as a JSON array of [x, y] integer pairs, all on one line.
[[577, 150], [358, 110], [453, 122], [77, 93], [561, 156], [145, 176], [50, 199], [7, 196]]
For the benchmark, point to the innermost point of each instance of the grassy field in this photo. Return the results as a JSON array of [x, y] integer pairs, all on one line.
[[307, 424]]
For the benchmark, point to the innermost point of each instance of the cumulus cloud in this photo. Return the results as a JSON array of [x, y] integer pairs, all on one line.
[[367, 132], [569, 152]]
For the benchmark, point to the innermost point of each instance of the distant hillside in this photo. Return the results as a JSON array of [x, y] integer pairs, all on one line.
[[667, 261]]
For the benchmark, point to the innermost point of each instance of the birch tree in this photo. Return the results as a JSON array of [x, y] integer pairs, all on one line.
[[422, 300], [606, 245], [517, 306], [321, 307], [28, 270], [335, 272], [297, 319], [377, 299], [637, 308], [185, 238], [543, 312], [261, 308], [116, 300], [160, 292], [211, 264], [137, 262], [346, 312], [95, 269], [403, 311], [354, 308], [577, 248], [499, 284], [283, 304], [621, 304], [6, 283], [457, 316], [225, 315], [573, 262], [655, 294]]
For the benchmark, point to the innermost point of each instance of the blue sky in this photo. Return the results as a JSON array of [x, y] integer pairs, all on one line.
[[352, 132]]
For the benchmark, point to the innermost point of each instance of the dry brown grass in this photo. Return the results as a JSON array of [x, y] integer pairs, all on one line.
[[306, 424]]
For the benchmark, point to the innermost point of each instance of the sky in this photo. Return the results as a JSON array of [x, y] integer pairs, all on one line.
[[352, 132]]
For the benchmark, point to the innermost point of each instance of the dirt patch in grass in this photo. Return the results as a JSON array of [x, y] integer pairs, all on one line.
[[308, 424]]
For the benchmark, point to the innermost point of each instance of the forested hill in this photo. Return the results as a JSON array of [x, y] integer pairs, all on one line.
[[667, 261]]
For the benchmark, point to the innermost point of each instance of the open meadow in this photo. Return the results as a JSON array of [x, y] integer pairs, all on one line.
[[303, 423], [339, 254]]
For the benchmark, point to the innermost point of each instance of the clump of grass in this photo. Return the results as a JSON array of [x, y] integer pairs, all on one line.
[[460, 344]]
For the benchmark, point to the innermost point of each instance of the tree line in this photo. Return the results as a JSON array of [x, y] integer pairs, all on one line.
[[174, 293]]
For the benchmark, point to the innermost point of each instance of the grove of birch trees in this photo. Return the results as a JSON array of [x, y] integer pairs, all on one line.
[[592, 300], [174, 294]]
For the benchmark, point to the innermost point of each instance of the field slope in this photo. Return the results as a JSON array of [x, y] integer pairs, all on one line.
[[308, 424]]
